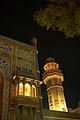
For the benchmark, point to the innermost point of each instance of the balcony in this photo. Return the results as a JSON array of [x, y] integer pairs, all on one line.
[[27, 100], [54, 71]]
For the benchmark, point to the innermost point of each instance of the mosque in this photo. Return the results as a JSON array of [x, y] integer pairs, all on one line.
[[20, 84]]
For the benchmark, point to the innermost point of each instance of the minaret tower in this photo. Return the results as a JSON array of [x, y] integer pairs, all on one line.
[[53, 78]]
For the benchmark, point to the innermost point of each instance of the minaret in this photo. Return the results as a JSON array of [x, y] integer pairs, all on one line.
[[53, 78]]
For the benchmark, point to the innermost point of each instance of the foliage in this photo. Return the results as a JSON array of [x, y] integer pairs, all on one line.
[[60, 15]]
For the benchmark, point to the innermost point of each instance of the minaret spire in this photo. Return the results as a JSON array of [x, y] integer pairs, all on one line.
[[53, 78]]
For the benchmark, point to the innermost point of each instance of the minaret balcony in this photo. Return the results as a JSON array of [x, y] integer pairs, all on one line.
[[52, 72]]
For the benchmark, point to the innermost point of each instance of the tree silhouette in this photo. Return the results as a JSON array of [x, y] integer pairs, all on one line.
[[60, 15]]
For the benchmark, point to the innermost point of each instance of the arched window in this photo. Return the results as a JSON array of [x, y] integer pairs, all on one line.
[[27, 89], [33, 91], [20, 89]]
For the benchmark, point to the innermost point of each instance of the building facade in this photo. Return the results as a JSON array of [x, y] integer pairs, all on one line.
[[20, 93], [19, 81]]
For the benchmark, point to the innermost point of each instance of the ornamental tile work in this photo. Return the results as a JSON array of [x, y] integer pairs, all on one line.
[[22, 56], [5, 66], [17, 59]]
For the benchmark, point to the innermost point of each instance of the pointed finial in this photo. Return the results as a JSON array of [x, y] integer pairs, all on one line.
[[34, 42]]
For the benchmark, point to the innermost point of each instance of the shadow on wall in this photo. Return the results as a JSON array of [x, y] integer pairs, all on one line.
[[44, 96]]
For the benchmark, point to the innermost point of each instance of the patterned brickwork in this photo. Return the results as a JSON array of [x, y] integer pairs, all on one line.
[[17, 59], [5, 65]]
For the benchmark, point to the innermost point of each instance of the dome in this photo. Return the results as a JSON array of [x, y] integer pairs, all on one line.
[[48, 60]]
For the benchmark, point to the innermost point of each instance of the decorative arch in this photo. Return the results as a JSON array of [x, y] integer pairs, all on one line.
[[27, 89], [33, 91], [21, 88]]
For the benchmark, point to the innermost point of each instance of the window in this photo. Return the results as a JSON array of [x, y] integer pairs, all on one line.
[[27, 89], [20, 89], [33, 91]]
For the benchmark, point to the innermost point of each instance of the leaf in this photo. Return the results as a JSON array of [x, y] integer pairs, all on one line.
[[61, 15]]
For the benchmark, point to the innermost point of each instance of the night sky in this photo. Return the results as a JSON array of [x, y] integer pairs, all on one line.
[[16, 21]]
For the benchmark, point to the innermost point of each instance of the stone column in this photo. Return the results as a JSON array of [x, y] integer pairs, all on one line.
[[29, 113], [23, 89]]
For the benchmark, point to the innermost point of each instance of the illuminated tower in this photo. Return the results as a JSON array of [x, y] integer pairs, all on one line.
[[53, 78]]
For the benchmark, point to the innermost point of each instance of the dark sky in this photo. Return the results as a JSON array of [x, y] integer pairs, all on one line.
[[16, 21]]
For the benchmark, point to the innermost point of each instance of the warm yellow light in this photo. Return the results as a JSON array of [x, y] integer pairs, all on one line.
[[58, 107], [27, 90], [63, 108], [20, 89], [16, 90], [14, 77], [33, 91], [55, 102], [50, 66], [54, 76]]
